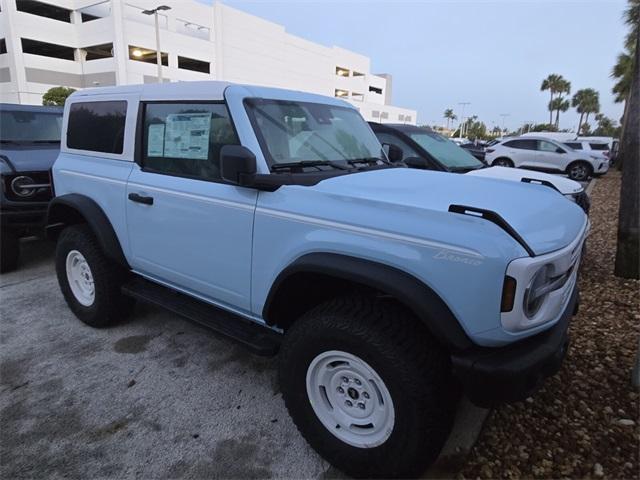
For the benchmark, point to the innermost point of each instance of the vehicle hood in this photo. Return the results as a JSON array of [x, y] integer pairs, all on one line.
[[28, 158], [546, 220], [564, 185]]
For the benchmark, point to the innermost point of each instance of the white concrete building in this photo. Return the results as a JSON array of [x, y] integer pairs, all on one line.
[[84, 43]]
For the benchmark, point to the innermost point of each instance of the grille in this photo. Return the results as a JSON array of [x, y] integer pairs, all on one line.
[[40, 195], [582, 199]]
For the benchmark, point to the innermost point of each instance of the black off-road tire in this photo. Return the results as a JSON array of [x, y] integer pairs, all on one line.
[[109, 305], [414, 368], [9, 251]]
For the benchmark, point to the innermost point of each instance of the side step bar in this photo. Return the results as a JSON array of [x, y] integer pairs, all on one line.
[[257, 338]]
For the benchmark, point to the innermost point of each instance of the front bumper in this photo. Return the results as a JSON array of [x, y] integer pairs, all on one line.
[[491, 376], [23, 217]]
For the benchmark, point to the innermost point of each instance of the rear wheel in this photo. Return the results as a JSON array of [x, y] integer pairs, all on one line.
[[9, 251], [579, 171], [502, 162], [367, 387], [90, 282]]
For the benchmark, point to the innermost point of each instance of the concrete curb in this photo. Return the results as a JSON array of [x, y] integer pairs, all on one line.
[[466, 430], [589, 188]]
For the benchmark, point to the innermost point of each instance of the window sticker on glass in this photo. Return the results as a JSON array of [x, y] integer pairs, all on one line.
[[155, 140], [187, 135]]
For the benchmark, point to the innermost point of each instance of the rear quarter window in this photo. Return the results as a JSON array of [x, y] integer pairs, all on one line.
[[599, 146], [575, 146], [97, 126]]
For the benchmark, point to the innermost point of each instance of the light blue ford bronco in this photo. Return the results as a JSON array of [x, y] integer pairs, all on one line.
[[275, 218]]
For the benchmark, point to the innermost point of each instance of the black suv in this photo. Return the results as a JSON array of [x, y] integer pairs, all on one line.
[[29, 144]]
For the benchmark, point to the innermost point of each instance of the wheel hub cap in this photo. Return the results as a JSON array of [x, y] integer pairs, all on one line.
[[80, 278], [350, 399]]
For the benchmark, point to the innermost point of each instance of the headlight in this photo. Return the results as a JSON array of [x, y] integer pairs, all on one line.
[[537, 291]]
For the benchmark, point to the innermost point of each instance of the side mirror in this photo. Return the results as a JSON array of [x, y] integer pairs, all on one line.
[[559, 150], [394, 153], [416, 162], [237, 164]]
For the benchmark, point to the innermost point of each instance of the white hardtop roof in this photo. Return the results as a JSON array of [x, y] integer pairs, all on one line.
[[205, 90]]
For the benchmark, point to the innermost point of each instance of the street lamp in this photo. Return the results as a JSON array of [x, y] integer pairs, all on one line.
[[154, 12], [464, 104], [504, 116]]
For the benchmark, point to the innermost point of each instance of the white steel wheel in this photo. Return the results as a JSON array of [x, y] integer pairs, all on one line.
[[80, 278], [350, 399]]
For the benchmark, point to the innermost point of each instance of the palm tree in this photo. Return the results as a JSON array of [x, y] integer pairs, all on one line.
[[558, 104], [555, 83], [585, 101], [449, 115]]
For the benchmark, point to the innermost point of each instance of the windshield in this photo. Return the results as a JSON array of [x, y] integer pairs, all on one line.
[[445, 151], [41, 127], [292, 132]]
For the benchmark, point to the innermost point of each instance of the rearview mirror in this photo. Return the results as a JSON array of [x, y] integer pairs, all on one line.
[[237, 164], [416, 162], [394, 153]]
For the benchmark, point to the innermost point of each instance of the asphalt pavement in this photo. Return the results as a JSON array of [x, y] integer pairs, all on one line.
[[153, 397]]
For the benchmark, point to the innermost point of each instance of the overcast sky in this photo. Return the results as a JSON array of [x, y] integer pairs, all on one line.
[[493, 54]]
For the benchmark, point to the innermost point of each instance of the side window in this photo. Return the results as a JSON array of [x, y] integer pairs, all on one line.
[[545, 146], [407, 150], [521, 144], [599, 146], [97, 126], [184, 139], [574, 145]]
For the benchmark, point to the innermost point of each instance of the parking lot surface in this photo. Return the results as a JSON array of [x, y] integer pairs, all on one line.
[[156, 396]]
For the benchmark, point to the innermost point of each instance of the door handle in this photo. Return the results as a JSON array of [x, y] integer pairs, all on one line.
[[134, 197]]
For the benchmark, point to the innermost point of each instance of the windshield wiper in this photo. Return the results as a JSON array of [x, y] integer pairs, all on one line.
[[368, 160], [308, 163], [46, 141], [9, 142]]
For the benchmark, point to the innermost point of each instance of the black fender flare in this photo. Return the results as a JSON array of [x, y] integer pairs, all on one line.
[[74, 208], [410, 291]]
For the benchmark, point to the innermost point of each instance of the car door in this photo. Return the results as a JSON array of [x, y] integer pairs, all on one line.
[[522, 152], [550, 156], [187, 228]]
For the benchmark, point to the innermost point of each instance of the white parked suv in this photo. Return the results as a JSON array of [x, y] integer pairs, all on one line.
[[592, 148], [539, 153]]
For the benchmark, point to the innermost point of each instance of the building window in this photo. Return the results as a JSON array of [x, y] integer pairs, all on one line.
[[357, 96], [358, 74], [44, 10], [401, 117], [140, 54], [192, 64], [3, 46], [341, 93], [96, 52], [97, 126], [45, 49], [384, 115], [95, 12], [375, 113], [375, 90], [342, 72], [186, 139], [407, 118]]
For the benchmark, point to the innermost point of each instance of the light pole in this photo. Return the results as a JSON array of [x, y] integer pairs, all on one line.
[[464, 104], [504, 115], [154, 12]]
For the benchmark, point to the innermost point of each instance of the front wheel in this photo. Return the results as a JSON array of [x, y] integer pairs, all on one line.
[[579, 171], [90, 282], [367, 387], [502, 162]]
